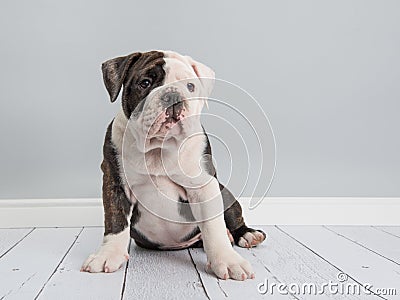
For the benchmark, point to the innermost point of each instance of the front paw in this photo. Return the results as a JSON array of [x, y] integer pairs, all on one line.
[[230, 264], [107, 259]]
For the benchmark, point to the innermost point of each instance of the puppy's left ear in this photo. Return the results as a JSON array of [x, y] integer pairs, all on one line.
[[114, 72], [205, 74]]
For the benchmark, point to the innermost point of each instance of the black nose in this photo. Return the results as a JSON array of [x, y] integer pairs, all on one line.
[[170, 98]]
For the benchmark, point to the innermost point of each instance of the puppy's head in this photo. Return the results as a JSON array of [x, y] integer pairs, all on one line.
[[162, 91]]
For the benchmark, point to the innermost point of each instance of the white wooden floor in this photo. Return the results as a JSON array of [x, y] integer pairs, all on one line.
[[44, 263]]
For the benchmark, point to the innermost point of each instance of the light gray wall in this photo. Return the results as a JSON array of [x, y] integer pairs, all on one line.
[[326, 72]]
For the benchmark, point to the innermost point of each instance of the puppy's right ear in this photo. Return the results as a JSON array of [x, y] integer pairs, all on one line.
[[114, 72]]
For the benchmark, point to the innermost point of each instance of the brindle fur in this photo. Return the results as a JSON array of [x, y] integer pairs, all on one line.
[[116, 203]]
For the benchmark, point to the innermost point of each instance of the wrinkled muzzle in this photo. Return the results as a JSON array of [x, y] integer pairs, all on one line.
[[161, 111]]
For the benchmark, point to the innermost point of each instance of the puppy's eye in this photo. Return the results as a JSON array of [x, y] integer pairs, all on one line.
[[145, 83], [190, 87]]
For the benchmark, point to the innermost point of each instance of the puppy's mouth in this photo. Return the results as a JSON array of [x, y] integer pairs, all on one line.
[[169, 121], [174, 112]]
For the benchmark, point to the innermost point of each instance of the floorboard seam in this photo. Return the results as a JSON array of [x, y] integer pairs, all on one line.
[[337, 268], [19, 241], [361, 245], [383, 230], [126, 270], [60, 262], [269, 271], [220, 287], [198, 274]]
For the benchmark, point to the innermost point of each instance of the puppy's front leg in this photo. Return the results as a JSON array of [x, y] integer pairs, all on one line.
[[207, 207], [117, 213]]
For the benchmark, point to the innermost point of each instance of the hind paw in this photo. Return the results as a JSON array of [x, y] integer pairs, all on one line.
[[251, 238]]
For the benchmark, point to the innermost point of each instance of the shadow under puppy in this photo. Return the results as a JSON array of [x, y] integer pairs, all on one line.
[[159, 182]]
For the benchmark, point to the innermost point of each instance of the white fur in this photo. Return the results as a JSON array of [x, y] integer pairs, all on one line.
[[251, 239], [223, 260], [112, 253]]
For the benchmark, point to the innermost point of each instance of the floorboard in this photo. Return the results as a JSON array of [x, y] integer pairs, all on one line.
[[26, 269], [161, 275], [375, 240], [359, 263], [231, 289], [11, 237], [393, 230], [69, 283], [44, 263], [292, 263]]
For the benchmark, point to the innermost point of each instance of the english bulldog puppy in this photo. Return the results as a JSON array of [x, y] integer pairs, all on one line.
[[159, 182]]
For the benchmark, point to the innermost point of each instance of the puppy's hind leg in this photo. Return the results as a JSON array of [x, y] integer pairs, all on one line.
[[243, 236]]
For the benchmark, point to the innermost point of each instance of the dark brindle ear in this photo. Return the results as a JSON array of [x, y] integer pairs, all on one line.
[[114, 72]]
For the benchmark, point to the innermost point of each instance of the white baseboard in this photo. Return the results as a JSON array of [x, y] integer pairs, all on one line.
[[271, 211]]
